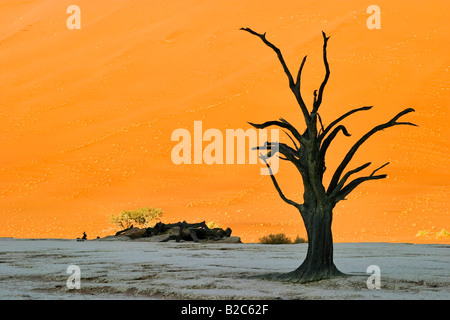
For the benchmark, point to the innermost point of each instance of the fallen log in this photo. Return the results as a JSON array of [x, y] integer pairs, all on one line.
[[188, 231], [124, 230], [162, 227], [180, 231], [199, 233]]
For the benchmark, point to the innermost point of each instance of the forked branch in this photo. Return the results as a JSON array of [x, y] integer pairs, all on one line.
[[342, 193], [262, 36], [289, 153], [318, 101], [295, 86], [275, 183], [293, 141], [332, 124], [282, 124], [282, 148], [326, 143], [346, 176], [299, 75], [393, 122]]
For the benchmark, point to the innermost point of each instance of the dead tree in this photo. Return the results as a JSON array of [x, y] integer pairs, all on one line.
[[163, 227], [124, 230], [307, 153], [187, 231]]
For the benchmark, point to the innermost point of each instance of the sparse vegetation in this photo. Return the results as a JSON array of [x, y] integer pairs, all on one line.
[[142, 217], [299, 240], [213, 224], [280, 238], [427, 233], [422, 233], [443, 233]]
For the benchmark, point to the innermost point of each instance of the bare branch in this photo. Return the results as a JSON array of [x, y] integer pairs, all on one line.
[[292, 139], [282, 124], [374, 171], [352, 151], [342, 193], [326, 143], [407, 123], [275, 183], [289, 153], [352, 185], [277, 51], [300, 137], [321, 123], [331, 125], [299, 74], [318, 101], [283, 148], [346, 176], [295, 87]]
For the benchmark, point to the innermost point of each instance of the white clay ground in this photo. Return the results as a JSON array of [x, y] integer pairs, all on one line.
[[37, 269]]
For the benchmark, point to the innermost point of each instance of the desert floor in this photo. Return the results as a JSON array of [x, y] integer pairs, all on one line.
[[37, 269]]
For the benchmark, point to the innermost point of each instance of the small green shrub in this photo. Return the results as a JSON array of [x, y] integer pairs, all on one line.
[[443, 233], [213, 225], [299, 240], [422, 233], [279, 238], [142, 217]]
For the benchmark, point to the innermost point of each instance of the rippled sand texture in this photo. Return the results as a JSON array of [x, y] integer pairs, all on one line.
[[86, 116]]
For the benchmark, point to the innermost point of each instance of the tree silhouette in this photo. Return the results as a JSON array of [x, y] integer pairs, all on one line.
[[308, 155]]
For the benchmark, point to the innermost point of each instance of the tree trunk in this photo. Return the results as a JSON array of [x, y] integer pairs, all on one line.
[[318, 264]]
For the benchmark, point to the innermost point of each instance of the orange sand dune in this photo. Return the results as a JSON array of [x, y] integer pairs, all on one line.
[[87, 115]]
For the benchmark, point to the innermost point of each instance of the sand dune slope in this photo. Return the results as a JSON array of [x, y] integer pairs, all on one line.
[[86, 116]]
